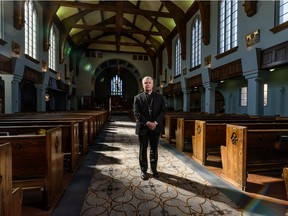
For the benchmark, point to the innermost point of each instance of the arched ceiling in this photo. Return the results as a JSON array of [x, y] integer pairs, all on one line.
[[139, 26]]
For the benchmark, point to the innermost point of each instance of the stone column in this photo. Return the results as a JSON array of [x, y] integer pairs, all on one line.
[[41, 92], [177, 102], [210, 96], [186, 99], [255, 97], [12, 98]]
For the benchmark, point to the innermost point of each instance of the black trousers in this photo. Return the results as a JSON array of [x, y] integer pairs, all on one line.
[[151, 139]]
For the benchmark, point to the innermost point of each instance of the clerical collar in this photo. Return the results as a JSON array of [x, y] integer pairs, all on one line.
[[148, 92]]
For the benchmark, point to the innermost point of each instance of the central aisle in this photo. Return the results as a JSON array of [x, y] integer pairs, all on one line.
[[108, 183], [117, 189]]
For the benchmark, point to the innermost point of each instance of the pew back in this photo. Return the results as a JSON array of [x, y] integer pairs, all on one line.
[[6, 179], [211, 134], [70, 136], [37, 162], [250, 150]]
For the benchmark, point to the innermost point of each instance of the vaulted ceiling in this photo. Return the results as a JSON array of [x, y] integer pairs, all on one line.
[[121, 26], [140, 26]]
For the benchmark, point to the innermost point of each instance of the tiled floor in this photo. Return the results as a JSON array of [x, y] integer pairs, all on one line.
[[108, 183]]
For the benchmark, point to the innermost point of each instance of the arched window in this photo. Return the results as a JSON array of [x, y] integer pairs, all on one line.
[[52, 50], [196, 35], [30, 29], [228, 19], [177, 58], [116, 86]]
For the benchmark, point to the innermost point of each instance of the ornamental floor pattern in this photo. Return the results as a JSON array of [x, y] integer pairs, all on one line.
[[117, 189]]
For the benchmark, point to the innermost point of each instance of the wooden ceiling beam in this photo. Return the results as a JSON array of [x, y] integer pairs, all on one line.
[[118, 23], [120, 43], [107, 29], [112, 8]]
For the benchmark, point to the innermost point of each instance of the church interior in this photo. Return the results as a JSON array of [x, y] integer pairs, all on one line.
[[69, 74]]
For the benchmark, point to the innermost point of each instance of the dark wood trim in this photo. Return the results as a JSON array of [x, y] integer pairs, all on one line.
[[234, 49], [227, 71], [275, 56], [2, 42], [52, 71], [6, 64], [194, 68], [172, 88], [32, 59], [32, 75], [279, 28], [194, 81]]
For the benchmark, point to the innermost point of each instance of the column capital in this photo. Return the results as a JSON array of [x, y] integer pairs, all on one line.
[[210, 85], [7, 77], [258, 75]]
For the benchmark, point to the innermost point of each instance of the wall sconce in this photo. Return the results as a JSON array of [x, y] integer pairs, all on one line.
[[59, 75], [184, 71], [162, 83], [47, 97], [15, 49], [44, 66], [207, 61], [171, 79]]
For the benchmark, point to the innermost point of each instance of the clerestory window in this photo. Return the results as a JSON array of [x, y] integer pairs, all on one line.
[[30, 29], [228, 19], [196, 36], [177, 58], [52, 50]]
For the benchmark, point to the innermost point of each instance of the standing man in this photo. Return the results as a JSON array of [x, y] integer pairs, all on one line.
[[149, 111]]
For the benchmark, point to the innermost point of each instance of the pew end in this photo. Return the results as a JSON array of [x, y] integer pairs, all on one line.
[[233, 156], [37, 163], [285, 177], [17, 198], [10, 199]]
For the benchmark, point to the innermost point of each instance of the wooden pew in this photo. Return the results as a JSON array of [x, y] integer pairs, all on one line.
[[184, 132], [10, 199], [90, 122], [171, 122], [70, 137], [37, 163], [285, 177], [249, 151], [209, 135], [84, 138]]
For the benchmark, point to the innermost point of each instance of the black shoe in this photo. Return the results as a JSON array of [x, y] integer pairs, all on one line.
[[144, 176], [156, 174]]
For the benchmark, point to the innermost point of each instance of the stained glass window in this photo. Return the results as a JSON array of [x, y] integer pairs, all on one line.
[[116, 86]]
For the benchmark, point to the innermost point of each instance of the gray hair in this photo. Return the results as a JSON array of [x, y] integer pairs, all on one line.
[[147, 77]]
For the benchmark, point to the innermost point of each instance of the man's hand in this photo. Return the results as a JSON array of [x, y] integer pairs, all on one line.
[[151, 125]]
